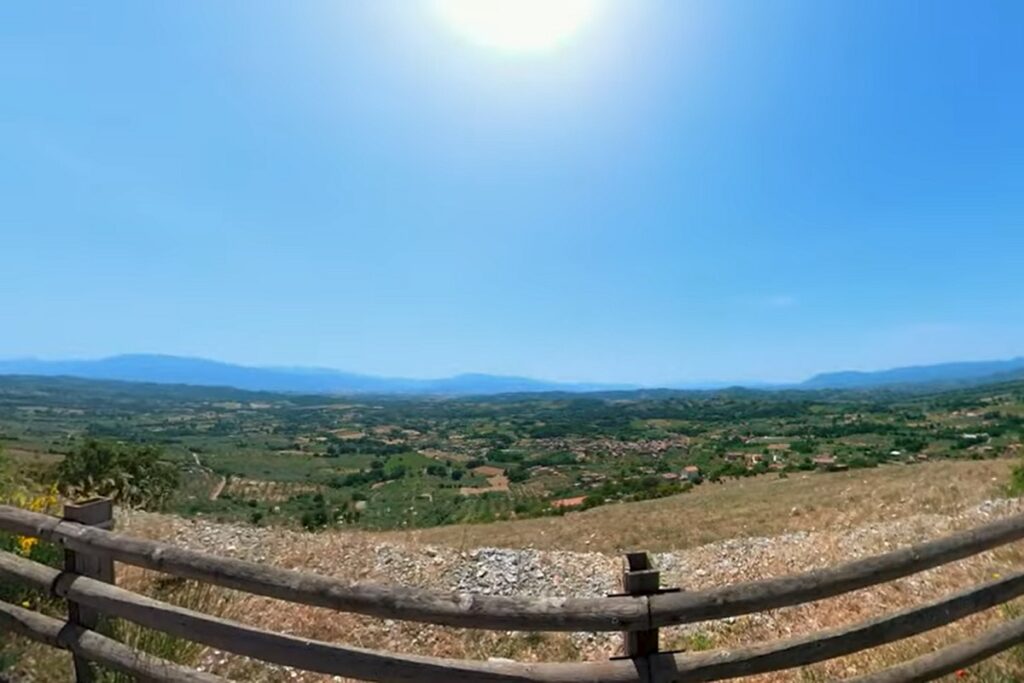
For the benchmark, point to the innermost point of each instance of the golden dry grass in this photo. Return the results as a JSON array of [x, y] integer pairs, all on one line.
[[897, 505], [759, 506], [813, 521], [25, 456]]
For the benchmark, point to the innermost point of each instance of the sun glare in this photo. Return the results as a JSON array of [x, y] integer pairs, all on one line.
[[517, 25]]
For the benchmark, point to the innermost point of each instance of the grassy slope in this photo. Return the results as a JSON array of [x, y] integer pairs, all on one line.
[[833, 505], [761, 506]]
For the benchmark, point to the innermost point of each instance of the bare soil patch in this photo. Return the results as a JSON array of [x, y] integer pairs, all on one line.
[[496, 481]]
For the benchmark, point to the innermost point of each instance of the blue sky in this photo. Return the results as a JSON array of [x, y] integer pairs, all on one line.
[[683, 191]]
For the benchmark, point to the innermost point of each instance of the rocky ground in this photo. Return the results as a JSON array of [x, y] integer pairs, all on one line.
[[527, 571]]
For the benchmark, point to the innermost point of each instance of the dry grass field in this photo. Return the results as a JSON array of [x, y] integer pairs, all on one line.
[[32, 457], [759, 506], [715, 535]]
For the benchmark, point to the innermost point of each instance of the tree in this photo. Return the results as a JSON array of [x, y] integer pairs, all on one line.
[[803, 446], [133, 475], [518, 474]]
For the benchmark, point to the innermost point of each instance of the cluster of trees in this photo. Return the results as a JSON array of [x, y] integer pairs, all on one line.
[[378, 471], [632, 489], [443, 470], [364, 445], [365, 477], [316, 514]]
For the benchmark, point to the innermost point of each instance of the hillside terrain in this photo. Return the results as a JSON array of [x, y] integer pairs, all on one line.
[[788, 526], [527, 494], [392, 463]]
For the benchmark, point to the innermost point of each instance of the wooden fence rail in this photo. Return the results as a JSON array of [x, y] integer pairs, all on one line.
[[95, 647], [638, 614]]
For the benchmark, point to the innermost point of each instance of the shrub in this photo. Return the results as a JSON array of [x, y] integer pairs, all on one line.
[[518, 474], [132, 475]]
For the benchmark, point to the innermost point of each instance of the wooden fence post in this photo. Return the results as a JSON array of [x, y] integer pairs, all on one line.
[[98, 512], [640, 578]]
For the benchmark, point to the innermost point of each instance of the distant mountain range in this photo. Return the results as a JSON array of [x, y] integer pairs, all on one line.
[[942, 373], [200, 372]]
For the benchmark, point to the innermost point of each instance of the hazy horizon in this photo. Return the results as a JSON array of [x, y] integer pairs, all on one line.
[[708, 382], [642, 193]]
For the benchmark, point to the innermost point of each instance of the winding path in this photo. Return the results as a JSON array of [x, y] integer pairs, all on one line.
[[219, 488]]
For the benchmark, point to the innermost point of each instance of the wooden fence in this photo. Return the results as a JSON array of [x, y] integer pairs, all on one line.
[[87, 584]]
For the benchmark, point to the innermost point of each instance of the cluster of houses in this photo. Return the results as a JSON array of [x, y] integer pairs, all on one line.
[[776, 457], [615, 447]]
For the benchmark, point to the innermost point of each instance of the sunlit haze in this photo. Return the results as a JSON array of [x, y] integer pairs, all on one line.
[[517, 25]]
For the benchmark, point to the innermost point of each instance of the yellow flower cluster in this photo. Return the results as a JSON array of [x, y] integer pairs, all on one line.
[[47, 502], [25, 545]]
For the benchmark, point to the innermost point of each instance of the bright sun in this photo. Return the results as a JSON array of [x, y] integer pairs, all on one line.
[[517, 25]]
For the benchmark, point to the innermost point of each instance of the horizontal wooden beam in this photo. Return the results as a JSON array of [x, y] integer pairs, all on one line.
[[301, 653], [756, 596], [951, 659], [717, 665], [390, 602], [96, 648], [619, 613], [373, 665]]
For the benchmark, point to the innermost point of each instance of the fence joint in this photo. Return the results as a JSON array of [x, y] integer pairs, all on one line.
[[98, 512], [641, 579]]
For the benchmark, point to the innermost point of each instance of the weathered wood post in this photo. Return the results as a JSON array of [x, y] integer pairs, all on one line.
[[98, 512], [640, 578]]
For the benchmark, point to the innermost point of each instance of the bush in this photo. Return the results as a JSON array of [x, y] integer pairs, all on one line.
[[132, 475], [861, 462], [803, 446], [518, 474]]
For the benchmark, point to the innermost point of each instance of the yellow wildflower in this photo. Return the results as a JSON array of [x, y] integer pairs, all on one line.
[[25, 544], [39, 503]]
